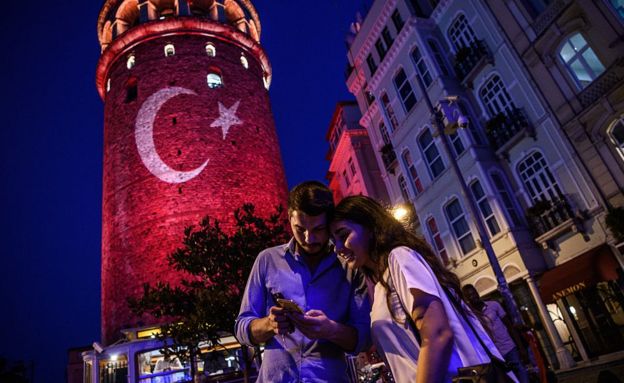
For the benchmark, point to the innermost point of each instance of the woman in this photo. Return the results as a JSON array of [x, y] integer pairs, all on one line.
[[408, 277]]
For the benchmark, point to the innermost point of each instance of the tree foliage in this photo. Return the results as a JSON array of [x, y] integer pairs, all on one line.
[[215, 265]]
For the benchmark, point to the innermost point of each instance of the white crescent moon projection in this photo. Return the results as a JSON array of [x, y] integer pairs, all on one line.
[[144, 136]]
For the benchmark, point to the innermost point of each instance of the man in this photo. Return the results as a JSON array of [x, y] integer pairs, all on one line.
[[504, 335], [307, 347]]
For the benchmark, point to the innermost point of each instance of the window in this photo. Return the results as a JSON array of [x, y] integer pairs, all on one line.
[[169, 50], [616, 134], [484, 206], [618, 7], [403, 188], [131, 89], [381, 49], [581, 61], [244, 62], [383, 43], [460, 33], [437, 55], [384, 133], [211, 51], [372, 66], [495, 97], [131, 61], [154, 364], [505, 197], [387, 37], [214, 80], [352, 166], [430, 153], [404, 89], [461, 230], [456, 143], [432, 228], [397, 20], [537, 178], [345, 176], [421, 67], [385, 101], [411, 172]]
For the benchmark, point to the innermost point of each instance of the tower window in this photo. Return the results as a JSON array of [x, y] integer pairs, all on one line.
[[169, 50], [244, 61], [131, 61], [214, 80], [267, 82], [131, 89], [211, 51]]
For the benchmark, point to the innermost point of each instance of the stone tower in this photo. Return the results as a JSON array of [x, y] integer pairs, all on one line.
[[188, 132]]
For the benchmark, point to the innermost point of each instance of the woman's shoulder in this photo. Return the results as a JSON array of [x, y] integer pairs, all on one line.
[[403, 256], [403, 252]]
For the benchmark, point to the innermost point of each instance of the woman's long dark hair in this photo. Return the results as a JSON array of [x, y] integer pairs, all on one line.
[[386, 234]]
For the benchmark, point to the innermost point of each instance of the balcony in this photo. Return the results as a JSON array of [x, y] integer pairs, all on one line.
[[548, 17], [388, 156], [469, 59], [549, 219], [505, 130], [604, 84]]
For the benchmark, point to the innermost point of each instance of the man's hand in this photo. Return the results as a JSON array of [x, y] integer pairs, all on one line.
[[278, 321], [314, 324]]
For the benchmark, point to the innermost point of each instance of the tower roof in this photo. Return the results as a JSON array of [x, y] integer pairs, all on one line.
[[117, 16]]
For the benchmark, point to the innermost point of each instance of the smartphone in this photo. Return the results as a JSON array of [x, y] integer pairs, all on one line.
[[289, 304]]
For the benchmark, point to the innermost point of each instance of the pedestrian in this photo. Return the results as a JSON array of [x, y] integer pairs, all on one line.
[[309, 346], [419, 322], [505, 336]]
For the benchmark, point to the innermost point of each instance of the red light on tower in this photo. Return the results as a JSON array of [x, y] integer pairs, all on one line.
[[188, 132]]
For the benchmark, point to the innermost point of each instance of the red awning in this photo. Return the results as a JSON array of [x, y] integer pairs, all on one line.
[[595, 266]]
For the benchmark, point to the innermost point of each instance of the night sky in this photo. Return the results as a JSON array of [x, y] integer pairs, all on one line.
[[51, 155]]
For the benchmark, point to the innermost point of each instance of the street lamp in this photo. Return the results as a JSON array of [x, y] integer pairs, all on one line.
[[462, 122]]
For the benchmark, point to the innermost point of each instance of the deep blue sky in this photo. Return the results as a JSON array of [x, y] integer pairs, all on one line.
[[51, 155]]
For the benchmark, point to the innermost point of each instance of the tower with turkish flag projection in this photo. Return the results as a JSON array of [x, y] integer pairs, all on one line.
[[188, 132]]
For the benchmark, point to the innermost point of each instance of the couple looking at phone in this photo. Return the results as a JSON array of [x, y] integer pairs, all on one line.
[[421, 334]]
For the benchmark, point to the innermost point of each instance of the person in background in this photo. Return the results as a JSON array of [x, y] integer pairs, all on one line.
[[311, 346], [504, 335]]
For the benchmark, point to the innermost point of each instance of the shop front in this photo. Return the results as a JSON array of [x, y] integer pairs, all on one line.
[[585, 300]]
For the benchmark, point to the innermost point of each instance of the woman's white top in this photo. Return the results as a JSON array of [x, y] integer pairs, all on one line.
[[396, 341]]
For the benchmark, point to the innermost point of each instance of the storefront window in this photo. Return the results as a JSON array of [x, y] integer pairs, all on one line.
[[597, 314]]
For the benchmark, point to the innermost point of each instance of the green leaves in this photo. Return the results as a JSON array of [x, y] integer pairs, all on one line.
[[215, 264]]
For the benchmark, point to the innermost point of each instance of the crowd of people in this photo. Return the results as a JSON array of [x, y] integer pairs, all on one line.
[[352, 279]]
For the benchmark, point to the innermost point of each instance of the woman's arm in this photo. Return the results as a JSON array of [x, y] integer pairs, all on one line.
[[436, 337]]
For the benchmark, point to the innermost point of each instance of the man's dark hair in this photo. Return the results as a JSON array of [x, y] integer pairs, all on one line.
[[312, 198]]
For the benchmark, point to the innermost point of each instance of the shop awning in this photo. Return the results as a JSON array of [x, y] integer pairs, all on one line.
[[581, 272]]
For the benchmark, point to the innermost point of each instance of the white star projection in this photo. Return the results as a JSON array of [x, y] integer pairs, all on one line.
[[227, 118], [144, 134]]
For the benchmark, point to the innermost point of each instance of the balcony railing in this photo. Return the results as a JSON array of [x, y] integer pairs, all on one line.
[[503, 127], [603, 84], [388, 156], [546, 215], [547, 18], [467, 58]]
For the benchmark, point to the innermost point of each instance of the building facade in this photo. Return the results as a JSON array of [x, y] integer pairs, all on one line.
[[533, 191], [353, 166], [188, 133], [573, 53]]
